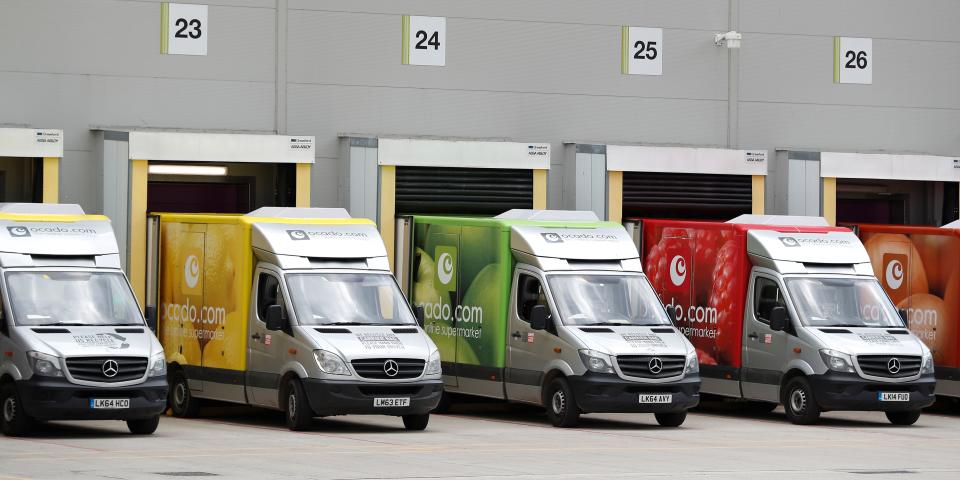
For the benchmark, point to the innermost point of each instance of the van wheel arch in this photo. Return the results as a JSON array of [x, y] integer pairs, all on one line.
[[282, 388], [547, 379], [785, 379]]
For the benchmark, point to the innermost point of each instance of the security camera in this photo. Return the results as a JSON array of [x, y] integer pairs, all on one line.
[[731, 39]]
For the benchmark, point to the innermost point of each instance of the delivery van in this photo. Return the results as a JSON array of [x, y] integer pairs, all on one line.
[[549, 308], [292, 309], [74, 342], [919, 268], [787, 310]]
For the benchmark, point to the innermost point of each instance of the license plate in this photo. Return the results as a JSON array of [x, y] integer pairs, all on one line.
[[391, 402], [109, 403], [664, 398], [894, 396]]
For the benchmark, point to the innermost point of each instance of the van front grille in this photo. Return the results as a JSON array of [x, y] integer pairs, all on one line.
[[101, 369], [381, 368], [651, 366], [890, 366]]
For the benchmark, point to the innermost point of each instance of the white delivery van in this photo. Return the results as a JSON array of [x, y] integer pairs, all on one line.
[[73, 340]]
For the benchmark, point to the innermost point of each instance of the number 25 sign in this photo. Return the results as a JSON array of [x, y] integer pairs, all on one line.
[[424, 41], [183, 29]]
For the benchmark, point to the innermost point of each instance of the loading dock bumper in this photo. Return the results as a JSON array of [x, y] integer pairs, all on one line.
[[837, 391], [336, 397], [604, 393], [47, 398]]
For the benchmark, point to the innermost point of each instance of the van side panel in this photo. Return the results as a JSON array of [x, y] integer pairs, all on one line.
[[205, 271], [700, 271], [462, 280], [919, 268]]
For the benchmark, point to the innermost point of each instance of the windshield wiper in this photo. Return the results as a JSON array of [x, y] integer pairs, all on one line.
[[609, 324]]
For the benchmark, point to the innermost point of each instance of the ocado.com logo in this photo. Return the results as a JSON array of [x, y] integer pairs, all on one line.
[[191, 271], [678, 270], [894, 274], [16, 231], [446, 267]]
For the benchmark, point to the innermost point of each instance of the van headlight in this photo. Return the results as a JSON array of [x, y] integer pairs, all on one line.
[[927, 363], [433, 364], [330, 363], [45, 365], [158, 366], [693, 365], [837, 361], [596, 361]]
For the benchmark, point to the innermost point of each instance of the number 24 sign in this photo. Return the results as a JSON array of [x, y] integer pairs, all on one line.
[[183, 29], [424, 41]]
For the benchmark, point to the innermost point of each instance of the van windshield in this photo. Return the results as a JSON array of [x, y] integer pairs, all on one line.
[[71, 298], [348, 299], [842, 302], [606, 300]]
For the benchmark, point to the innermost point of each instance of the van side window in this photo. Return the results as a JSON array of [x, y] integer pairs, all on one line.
[[766, 295], [268, 293], [529, 294]]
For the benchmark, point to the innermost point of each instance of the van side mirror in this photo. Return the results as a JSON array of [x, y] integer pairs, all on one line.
[[778, 318], [150, 313], [672, 315], [904, 316], [538, 317], [418, 313], [276, 318]]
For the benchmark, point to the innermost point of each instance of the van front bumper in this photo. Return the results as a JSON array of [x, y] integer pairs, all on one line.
[[604, 393], [48, 398], [346, 397], [840, 391]]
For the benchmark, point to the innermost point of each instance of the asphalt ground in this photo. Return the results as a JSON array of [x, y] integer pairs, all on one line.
[[494, 441]]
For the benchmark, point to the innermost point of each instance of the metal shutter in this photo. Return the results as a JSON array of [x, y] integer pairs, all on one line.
[[469, 191], [686, 195]]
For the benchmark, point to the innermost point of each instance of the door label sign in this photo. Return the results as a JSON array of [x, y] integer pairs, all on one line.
[[641, 51], [183, 29], [853, 60], [424, 41]]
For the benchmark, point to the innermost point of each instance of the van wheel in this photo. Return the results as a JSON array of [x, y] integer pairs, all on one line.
[[903, 418], [13, 420], [562, 408], [799, 403], [181, 401], [143, 426], [671, 419], [298, 413], [416, 422]]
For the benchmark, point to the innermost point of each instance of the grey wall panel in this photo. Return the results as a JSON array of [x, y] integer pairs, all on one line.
[[323, 182], [850, 128], [914, 19], [123, 38], [326, 110], [497, 55]]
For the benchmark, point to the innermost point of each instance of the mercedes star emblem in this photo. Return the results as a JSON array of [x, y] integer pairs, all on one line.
[[391, 368], [655, 365], [893, 366], [110, 368]]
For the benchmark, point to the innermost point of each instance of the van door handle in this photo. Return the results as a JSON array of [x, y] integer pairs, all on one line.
[[753, 336], [256, 336], [516, 335]]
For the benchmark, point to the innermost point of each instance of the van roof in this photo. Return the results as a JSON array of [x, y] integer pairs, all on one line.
[[54, 229]]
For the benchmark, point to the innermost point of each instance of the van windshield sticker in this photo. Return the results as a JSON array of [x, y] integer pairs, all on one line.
[[108, 340], [878, 338], [640, 340], [379, 341]]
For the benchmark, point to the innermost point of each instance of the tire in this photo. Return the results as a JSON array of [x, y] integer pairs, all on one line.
[[143, 426], [416, 422], [799, 403], [903, 418], [13, 420], [182, 403], [298, 413], [561, 406], [671, 419]]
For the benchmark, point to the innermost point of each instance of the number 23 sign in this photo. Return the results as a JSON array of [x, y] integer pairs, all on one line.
[[183, 29]]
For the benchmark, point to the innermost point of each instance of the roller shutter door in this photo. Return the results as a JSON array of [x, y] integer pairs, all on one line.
[[468, 191], [686, 195]]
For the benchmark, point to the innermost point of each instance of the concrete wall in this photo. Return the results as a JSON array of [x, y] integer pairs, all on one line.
[[537, 70]]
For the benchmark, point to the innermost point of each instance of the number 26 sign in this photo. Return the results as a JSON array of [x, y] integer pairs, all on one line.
[[424, 41], [853, 60], [183, 29]]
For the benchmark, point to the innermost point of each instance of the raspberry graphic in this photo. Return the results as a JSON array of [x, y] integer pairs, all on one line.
[[724, 299]]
